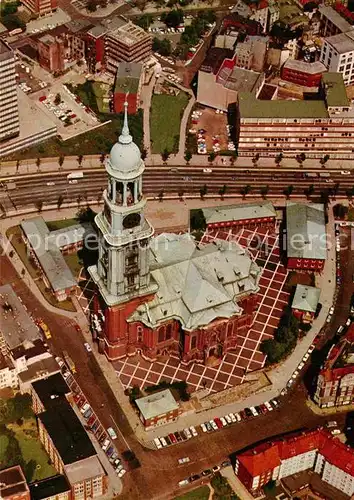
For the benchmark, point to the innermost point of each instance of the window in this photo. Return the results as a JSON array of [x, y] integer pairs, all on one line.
[[168, 331], [131, 279], [161, 334], [140, 332], [193, 342]]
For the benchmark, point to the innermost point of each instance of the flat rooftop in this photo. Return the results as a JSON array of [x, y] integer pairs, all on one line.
[[42, 368], [16, 325], [50, 389], [250, 107], [12, 483], [48, 254], [49, 487], [129, 34], [306, 298], [335, 18], [67, 433], [128, 77], [242, 80], [311, 68], [84, 469], [239, 212], [156, 404], [336, 94], [342, 43]]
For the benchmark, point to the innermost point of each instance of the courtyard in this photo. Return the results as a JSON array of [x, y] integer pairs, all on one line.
[[247, 357]]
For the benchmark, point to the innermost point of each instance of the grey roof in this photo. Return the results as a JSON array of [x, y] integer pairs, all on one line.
[[311, 68], [84, 469], [243, 80], [335, 17], [40, 369], [5, 51], [306, 298], [197, 283], [156, 404], [239, 212], [16, 326], [48, 254], [97, 31], [250, 107], [342, 42], [336, 95], [306, 231], [71, 234]]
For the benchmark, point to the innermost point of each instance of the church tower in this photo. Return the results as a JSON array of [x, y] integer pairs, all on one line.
[[122, 271]]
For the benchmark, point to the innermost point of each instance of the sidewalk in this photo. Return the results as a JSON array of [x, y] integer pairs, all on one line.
[[236, 484]]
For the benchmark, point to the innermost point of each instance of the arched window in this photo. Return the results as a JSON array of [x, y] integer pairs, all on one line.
[[169, 331], [140, 333]]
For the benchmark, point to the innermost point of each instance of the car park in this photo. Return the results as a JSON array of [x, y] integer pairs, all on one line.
[[193, 431], [157, 443]]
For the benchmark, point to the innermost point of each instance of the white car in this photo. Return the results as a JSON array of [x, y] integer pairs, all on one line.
[[84, 408], [193, 431], [157, 443], [254, 411], [331, 310], [87, 347], [345, 172], [105, 445], [203, 426], [163, 441], [335, 432], [233, 418], [223, 421], [228, 419], [348, 322], [51, 183], [213, 424], [268, 405], [311, 348], [207, 170], [187, 433], [238, 417], [121, 473], [111, 432], [301, 365]]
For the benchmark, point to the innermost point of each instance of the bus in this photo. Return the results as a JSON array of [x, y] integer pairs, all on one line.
[[69, 362], [44, 329], [75, 175]]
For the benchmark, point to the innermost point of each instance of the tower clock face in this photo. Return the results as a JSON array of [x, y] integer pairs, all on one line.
[[131, 220]]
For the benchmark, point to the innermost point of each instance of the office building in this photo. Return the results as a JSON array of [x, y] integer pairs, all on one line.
[[9, 117], [127, 87], [303, 73], [41, 7], [337, 54], [127, 43], [248, 215]]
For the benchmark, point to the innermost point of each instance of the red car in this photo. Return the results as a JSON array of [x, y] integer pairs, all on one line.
[[218, 423], [91, 420], [77, 398], [263, 408], [172, 438]]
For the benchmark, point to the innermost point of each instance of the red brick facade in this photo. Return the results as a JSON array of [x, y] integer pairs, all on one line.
[[315, 265]]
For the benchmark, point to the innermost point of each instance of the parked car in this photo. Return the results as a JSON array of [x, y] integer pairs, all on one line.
[[111, 432], [274, 402], [168, 440], [223, 421], [88, 413], [163, 441], [207, 472], [178, 436], [216, 468], [204, 427], [233, 418], [187, 432], [228, 419], [84, 408], [238, 417], [268, 405], [193, 431], [87, 347], [208, 426], [105, 445], [172, 438], [218, 423], [121, 473], [193, 478], [157, 443], [213, 425], [184, 460], [248, 412]]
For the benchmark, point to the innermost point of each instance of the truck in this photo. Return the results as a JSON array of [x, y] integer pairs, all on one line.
[[69, 362], [75, 175], [44, 328]]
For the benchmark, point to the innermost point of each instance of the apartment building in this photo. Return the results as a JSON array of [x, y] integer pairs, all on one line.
[[331, 22], [127, 87], [41, 7], [316, 450], [65, 439], [303, 73], [335, 381], [9, 117], [249, 215], [51, 53], [313, 127], [13, 484], [127, 43], [52, 488], [337, 54]]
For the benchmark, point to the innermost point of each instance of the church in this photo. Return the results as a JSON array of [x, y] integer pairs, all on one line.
[[164, 295]]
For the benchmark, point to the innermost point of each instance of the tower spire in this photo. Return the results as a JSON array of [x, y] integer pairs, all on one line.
[[125, 137]]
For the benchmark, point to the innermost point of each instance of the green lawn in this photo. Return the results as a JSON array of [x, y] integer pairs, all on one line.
[[201, 493], [53, 225], [31, 448], [165, 121], [101, 92], [4, 440]]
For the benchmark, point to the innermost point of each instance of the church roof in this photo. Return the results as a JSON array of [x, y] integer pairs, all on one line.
[[196, 283]]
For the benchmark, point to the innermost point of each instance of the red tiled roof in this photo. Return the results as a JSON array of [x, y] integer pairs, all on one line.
[[300, 444], [338, 454], [261, 459]]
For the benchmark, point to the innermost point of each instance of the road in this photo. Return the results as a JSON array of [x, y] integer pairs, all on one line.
[[188, 180]]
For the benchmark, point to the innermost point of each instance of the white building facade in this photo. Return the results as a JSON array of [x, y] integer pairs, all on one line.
[[337, 54], [9, 117]]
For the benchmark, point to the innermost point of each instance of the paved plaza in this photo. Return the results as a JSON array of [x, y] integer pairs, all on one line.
[[247, 357]]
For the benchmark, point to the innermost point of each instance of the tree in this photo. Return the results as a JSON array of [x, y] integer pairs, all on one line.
[[39, 205], [162, 47], [188, 156], [211, 157], [255, 159], [61, 161], [57, 99], [91, 5], [60, 201], [203, 191], [23, 272], [173, 18], [30, 469], [165, 155], [144, 153], [279, 158], [180, 194], [222, 191], [85, 214], [197, 220], [264, 191], [79, 160], [102, 158], [288, 191], [309, 191], [11, 254], [38, 163], [324, 160], [161, 195], [18, 163], [246, 190]]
